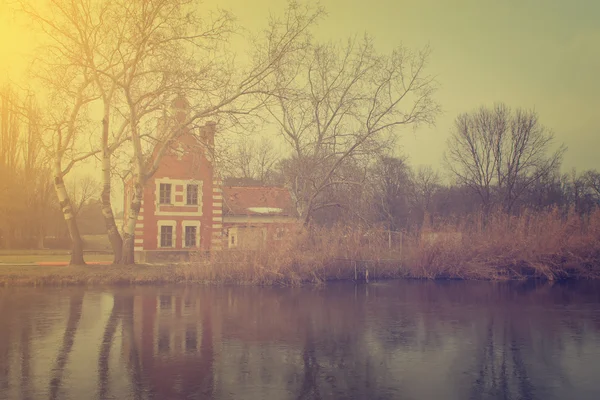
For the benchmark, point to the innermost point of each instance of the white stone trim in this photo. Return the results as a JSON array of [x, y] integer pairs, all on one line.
[[166, 222], [139, 225], [217, 218], [217, 197], [138, 248], [195, 210], [217, 226], [218, 211], [139, 241], [179, 214], [140, 217], [265, 219], [184, 224]]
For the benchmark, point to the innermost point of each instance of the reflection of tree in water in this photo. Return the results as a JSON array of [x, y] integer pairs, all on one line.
[[310, 384], [25, 345], [122, 312], [105, 346], [75, 305], [510, 364], [317, 344], [18, 327]]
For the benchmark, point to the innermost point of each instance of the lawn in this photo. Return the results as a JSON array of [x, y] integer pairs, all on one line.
[[30, 257], [13, 275]]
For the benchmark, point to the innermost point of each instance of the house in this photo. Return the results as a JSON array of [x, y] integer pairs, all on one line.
[[255, 216], [182, 206]]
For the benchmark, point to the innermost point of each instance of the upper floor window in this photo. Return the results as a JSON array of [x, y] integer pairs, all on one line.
[[192, 194], [165, 193]]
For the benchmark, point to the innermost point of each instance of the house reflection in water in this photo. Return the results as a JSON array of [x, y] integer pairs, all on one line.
[[219, 343], [169, 347]]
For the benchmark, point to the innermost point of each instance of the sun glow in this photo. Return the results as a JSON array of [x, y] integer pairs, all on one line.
[[17, 42]]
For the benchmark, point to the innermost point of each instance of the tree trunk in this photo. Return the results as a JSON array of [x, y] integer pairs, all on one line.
[[67, 210], [116, 242], [134, 212]]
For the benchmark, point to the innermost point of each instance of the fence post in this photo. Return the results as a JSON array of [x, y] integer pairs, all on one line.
[[401, 245]]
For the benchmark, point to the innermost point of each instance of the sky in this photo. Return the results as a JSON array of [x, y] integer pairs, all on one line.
[[535, 54]]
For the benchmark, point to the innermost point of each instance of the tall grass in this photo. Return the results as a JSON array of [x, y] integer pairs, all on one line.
[[546, 245]]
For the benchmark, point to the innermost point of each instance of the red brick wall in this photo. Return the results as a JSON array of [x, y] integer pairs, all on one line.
[[190, 164]]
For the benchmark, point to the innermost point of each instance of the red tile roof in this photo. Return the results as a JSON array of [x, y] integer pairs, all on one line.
[[258, 200]]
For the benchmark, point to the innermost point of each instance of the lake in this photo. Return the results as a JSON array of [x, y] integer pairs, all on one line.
[[391, 340]]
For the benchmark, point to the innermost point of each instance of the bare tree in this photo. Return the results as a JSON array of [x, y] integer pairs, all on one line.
[[164, 64], [592, 180], [70, 84], [392, 185], [81, 191], [340, 102], [25, 186], [425, 184], [499, 153], [137, 56], [252, 160]]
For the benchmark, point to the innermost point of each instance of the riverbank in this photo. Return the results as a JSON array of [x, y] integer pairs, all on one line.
[[547, 246]]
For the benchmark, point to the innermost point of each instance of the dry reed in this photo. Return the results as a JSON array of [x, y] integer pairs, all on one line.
[[541, 245], [544, 245]]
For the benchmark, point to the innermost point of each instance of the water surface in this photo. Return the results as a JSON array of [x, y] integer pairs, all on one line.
[[396, 340]]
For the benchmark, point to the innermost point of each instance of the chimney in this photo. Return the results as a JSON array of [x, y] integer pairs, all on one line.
[[207, 134]]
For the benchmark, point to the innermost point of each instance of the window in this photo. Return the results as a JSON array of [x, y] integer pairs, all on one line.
[[190, 236], [191, 339], [279, 232], [192, 194], [165, 193], [166, 236], [164, 341], [165, 302]]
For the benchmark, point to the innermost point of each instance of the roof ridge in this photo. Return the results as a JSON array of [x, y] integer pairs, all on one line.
[[256, 187]]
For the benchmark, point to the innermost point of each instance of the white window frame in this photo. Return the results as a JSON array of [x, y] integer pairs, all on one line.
[[194, 210], [185, 224], [171, 223]]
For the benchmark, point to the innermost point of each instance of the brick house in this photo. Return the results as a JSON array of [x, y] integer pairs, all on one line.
[[182, 207], [257, 215]]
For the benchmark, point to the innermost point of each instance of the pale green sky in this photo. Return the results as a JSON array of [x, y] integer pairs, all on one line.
[[542, 54]]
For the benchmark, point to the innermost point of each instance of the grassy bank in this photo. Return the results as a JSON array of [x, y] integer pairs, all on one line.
[[88, 275], [34, 256], [544, 245]]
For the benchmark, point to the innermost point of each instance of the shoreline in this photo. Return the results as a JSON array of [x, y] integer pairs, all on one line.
[[178, 274]]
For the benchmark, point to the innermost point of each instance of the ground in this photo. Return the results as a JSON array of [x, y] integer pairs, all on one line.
[[14, 275], [13, 257]]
